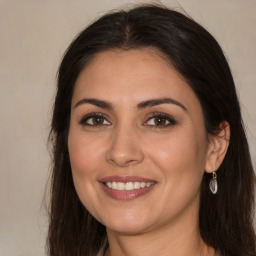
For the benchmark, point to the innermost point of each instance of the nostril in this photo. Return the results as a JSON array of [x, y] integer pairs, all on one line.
[[123, 161], [124, 150]]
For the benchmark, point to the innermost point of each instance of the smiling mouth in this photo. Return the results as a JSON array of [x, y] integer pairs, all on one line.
[[127, 186]]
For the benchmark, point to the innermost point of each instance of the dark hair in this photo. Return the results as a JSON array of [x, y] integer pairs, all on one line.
[[225, 219]]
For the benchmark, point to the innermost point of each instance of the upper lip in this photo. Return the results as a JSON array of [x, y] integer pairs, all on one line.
[[125, 179]]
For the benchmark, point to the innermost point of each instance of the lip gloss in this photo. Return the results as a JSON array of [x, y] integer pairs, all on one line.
[[122, 193]]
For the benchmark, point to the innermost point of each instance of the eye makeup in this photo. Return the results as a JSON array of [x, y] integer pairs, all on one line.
[[159, 120], [94, 119], [154, 120]]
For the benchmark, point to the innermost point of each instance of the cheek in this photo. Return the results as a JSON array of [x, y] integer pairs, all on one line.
[[181, 155], [84, 159], [84, 154]]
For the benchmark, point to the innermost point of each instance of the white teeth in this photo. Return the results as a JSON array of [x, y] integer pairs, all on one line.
[[114, 186], [109, 184], [136, 185], [128, 186], [120, 185], [148, 184]]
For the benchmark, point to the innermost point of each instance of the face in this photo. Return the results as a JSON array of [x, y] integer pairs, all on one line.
[[137, 142]]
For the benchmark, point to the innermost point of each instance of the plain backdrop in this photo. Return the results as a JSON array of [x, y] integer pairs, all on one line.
[[33, 37]]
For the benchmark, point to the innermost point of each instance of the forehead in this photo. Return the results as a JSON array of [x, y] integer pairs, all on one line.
[[131, 76], [124, 57]]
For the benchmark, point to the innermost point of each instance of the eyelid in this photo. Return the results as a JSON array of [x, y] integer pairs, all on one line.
[[169, 118], [150, 116], [91, 115]]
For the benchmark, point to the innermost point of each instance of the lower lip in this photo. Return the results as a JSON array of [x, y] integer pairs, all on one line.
[[126, 195]]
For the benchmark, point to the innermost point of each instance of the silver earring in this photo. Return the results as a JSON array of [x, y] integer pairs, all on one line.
[[213, 185]]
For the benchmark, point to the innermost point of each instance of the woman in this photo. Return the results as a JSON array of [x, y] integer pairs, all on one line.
[[150, 153]]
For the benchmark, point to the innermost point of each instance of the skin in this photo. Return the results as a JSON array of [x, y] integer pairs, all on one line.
[[130, 142]]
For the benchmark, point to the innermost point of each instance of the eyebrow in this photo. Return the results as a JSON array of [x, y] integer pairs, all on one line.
[[155, 102], [95, 102], [144, 104]]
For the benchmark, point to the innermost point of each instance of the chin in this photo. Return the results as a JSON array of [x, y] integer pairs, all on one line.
[[128, 225], [126, 229]]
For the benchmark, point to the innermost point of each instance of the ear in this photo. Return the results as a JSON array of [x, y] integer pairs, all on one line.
[[217, 148]]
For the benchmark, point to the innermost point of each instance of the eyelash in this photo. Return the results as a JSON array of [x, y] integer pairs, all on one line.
[[164, 117], [84, 120]]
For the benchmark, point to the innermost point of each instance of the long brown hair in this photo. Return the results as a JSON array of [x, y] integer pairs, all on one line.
[[225, 219]]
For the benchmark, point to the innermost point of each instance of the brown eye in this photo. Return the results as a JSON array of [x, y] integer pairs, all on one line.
[[160, 120], [97, 120], [94, 120]]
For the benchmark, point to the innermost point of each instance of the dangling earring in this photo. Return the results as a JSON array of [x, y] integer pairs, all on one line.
[[213, 185]]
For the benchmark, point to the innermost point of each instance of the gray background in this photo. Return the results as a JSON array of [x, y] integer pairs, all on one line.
[[34, 35]]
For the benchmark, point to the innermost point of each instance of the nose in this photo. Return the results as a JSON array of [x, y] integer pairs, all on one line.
[[125, 148]]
